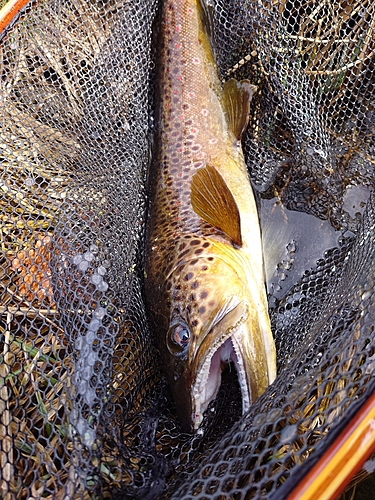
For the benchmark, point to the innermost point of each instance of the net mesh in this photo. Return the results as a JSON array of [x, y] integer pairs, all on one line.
[[85, 411]]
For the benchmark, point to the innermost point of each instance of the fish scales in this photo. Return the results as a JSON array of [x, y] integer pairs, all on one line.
[[191, 260]]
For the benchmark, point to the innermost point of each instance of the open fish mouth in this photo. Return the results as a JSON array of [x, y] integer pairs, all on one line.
[[225, 350], [208, 379]]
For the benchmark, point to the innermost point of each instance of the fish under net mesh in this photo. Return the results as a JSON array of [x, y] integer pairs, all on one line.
[[85, 409]]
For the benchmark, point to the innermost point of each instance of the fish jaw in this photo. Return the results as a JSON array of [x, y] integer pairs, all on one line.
[[237, 338], [219, 304]]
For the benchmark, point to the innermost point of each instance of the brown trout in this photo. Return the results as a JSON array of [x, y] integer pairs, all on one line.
[[204, 267]]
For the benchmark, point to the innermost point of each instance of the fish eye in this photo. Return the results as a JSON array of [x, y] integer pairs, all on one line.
[[178, 338]]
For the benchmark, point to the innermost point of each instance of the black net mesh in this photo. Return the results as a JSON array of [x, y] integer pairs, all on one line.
[[85, 411]]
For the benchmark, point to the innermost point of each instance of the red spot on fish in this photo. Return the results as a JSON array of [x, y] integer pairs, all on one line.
[[178, 28], [204, 112], [179, 78], [180, 117], [190, 11], [213, 141], [179, 175], [196, 60], [179, 150], [201, 155], [193, 130], [191, 95], [178, 46], [175, 92], [167, 104]]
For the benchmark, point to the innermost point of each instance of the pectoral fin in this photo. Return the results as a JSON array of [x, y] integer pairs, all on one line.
[[213, 201], [237, 97]]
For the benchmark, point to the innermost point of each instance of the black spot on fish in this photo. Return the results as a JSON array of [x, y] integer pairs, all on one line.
[[183, 253]]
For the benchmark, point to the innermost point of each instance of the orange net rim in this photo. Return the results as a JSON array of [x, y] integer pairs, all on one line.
[[344, 458], [9, 12]]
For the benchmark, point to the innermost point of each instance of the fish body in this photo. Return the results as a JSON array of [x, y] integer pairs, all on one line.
[[203, 262]]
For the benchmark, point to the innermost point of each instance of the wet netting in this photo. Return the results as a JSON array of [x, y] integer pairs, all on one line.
[[85, 411]]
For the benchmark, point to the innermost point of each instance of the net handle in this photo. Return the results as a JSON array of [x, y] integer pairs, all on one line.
[[9, 11], [342, 460]]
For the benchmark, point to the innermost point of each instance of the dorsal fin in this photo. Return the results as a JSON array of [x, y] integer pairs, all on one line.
[[213, 201], [237, 97]]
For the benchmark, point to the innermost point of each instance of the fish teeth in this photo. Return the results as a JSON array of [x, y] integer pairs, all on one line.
[[241, 373], [208, 379]]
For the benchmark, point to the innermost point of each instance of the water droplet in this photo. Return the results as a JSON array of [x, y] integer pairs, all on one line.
[[29, 181], [103, 286], [82, 386], [101, 270], [100, 313], [83, 265], [92, 358], [89, 256], [96, 279], [288, 434], [94, 325], [77, 259]]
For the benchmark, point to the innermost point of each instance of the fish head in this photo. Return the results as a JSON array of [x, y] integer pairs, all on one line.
[[214, 320]]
